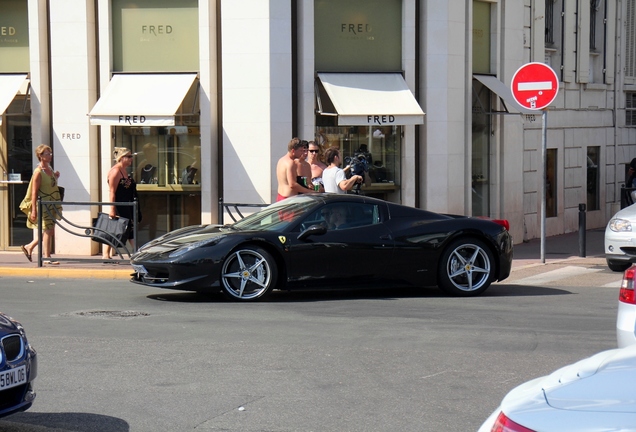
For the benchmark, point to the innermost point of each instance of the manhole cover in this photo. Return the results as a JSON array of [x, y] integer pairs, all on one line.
[[111, 314]]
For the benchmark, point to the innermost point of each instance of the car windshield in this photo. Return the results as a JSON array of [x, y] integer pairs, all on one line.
[[278, 216]]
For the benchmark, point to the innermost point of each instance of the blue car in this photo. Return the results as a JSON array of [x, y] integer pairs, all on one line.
[[18, 368]]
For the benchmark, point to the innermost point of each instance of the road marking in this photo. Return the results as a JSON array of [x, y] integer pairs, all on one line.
[[615, 284], [554, 275]]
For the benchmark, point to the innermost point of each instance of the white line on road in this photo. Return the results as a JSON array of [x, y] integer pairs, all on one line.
[[554, 275]]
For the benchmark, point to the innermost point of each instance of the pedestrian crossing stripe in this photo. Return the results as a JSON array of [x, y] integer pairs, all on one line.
[[555, 275]]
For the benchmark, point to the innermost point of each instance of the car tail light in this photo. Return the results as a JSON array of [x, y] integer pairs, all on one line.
[[503, 222], [626, 294], [504, 424]]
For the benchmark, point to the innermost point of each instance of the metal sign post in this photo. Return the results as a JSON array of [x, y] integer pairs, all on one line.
[[544, 152], [535, 86]]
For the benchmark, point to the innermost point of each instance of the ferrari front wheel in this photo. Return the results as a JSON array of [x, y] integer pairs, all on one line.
[[248, 273], [466, 268]]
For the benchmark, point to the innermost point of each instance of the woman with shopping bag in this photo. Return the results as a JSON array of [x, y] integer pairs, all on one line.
[[122, 188]]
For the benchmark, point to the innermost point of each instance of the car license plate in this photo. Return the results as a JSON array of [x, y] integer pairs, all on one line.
[[12, 377], [140, 269]]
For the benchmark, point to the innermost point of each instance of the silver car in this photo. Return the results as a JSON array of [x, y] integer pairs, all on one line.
[[620, 239], [626, 314]]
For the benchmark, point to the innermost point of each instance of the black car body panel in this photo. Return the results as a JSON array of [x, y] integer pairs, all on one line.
[[381, 243], [18, 368]]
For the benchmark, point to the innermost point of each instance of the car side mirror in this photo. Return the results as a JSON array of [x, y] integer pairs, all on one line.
[[318, 229]]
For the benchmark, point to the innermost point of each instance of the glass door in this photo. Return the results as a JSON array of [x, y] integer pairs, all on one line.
[[16, 164]]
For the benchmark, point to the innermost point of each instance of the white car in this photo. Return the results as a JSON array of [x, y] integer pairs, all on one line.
[[620, 239], [594, 394], [626, 315]]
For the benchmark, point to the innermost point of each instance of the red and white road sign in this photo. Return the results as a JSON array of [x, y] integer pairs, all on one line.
[[535, 85]]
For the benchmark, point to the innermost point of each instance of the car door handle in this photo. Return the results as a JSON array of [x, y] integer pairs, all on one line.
[[385, 237]]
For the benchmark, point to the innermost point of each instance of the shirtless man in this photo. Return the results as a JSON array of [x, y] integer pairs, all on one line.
[[317, 166], [286, 169], [303, 169]]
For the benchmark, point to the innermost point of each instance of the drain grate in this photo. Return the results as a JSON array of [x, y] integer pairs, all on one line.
[[111, 314]]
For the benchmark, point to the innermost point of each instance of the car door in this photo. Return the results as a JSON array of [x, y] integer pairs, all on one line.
[[358, 252]]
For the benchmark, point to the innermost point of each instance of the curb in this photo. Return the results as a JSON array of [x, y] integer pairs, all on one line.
[[48, 272]]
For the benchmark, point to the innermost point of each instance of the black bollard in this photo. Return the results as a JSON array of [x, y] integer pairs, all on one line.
[[582, 230]]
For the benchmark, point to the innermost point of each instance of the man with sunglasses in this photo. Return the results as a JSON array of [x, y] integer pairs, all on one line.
[[317, 166]]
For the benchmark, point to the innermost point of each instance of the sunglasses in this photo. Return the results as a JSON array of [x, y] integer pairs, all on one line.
[[127, 157], [314, 151]]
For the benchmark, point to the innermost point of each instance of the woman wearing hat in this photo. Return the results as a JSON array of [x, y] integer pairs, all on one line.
[[122, 188]]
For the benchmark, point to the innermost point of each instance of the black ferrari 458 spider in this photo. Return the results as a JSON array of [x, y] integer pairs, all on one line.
[[328, 241]]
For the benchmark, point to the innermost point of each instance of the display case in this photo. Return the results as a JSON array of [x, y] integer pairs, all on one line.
[[166, 158], [379, 149]]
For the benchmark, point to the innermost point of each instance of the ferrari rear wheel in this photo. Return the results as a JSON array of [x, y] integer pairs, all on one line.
[[248, 274], [466, 268]]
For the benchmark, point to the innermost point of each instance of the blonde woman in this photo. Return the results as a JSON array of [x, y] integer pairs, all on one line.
[[122, 188], [43, 184]]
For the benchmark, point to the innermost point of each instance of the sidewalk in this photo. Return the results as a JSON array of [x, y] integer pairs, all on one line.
[[557, 248], [81, 267]]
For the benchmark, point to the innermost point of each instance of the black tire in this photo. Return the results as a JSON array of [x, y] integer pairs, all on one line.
[[618, 266], [248, 274], [466, 268]]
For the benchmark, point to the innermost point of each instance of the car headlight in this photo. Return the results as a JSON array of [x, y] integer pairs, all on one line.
[[620, 225], [198, 244]]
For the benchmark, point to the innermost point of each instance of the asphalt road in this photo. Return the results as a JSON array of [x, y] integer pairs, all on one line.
[[120, 357]]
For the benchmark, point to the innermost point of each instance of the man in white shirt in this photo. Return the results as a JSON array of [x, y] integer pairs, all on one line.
[[333, 177]]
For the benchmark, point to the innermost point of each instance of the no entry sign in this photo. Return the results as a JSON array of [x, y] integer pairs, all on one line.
[[535, 85]]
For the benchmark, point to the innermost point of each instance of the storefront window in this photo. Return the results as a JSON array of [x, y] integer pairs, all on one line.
[[167, 171], [19, 167], [166, 168], [377, 147], [480, 166]]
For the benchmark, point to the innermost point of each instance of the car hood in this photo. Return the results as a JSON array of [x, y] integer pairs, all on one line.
[[7, 324], [604, 382], [182, 237], [628, 213]]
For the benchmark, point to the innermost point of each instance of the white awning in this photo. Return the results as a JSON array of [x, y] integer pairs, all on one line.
[[368, 99], [10, 86], [141, 100], [504, 93]]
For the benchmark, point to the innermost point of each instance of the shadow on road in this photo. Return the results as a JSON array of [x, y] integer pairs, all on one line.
[[358, 294], [505, 290], [69, 422]]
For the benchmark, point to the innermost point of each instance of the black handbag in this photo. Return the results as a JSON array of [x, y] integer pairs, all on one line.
[[110, 231], [61, 189]]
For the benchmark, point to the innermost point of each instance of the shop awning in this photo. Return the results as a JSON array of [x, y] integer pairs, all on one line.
[[141, 100], [10, 85], [505, 95], [367, 99]]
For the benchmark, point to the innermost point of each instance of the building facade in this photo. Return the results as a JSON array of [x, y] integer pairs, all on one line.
[[208, 93]]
